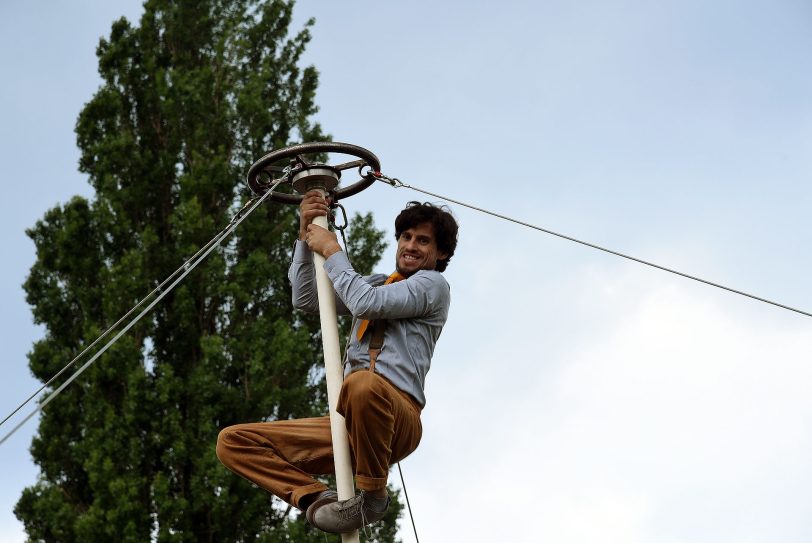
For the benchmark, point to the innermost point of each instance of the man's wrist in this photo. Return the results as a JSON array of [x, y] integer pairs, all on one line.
[[331, 250]]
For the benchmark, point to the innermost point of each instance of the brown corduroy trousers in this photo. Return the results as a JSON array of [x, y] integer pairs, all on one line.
[[383, 424]]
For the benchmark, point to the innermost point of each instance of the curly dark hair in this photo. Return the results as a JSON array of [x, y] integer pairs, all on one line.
[[442, 221]]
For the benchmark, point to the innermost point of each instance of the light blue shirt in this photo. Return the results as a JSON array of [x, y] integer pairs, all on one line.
[[415, 309]]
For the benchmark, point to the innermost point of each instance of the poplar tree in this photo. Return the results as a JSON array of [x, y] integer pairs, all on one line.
[[190, 97]]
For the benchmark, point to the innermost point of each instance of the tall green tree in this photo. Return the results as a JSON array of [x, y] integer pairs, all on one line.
[[190, 97]]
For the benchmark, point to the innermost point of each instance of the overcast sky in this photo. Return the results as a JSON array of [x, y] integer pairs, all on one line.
[[574, 396]]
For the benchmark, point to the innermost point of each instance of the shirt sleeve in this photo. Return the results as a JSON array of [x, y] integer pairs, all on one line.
[[302, 276], [422, 294]]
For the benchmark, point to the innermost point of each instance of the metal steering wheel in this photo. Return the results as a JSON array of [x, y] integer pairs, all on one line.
[[298, 167]]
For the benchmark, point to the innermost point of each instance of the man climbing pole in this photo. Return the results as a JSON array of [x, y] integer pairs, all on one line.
[[397, 321]]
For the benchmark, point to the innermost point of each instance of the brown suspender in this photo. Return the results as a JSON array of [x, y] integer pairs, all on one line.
[[376, 341], [378, 327]]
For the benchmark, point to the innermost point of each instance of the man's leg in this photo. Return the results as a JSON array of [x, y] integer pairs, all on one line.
[[280, 456], [383, 423]]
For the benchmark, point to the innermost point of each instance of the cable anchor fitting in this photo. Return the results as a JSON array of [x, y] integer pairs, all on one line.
[[393, 181], [282, 179]]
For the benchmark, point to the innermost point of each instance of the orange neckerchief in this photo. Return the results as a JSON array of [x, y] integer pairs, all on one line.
[[394, 278]]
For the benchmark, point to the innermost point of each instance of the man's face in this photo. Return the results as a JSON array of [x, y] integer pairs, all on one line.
[[417, 250]]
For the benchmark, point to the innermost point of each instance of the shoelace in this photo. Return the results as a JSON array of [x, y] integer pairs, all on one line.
[[353, 507]]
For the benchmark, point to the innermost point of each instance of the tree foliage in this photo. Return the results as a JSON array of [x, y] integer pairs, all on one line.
[[190, 97]]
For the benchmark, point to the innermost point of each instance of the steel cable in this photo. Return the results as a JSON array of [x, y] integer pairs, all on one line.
[[408, 504], [393, 182], [186, 268]]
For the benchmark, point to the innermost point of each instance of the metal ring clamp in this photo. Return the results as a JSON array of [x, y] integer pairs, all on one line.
[[265, 165]]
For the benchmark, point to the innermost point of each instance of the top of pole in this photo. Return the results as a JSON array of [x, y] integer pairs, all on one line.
[[292, 159]]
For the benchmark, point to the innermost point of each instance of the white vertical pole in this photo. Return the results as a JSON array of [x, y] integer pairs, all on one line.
[[335, 376]]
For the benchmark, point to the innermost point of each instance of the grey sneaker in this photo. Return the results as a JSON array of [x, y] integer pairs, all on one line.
[[346, 516], [326, 497]]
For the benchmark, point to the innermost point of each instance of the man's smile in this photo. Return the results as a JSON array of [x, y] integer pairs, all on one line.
[[417, 249]]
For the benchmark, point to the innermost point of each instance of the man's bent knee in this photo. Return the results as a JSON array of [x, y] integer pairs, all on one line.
[[224, 442], [361, 388]]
